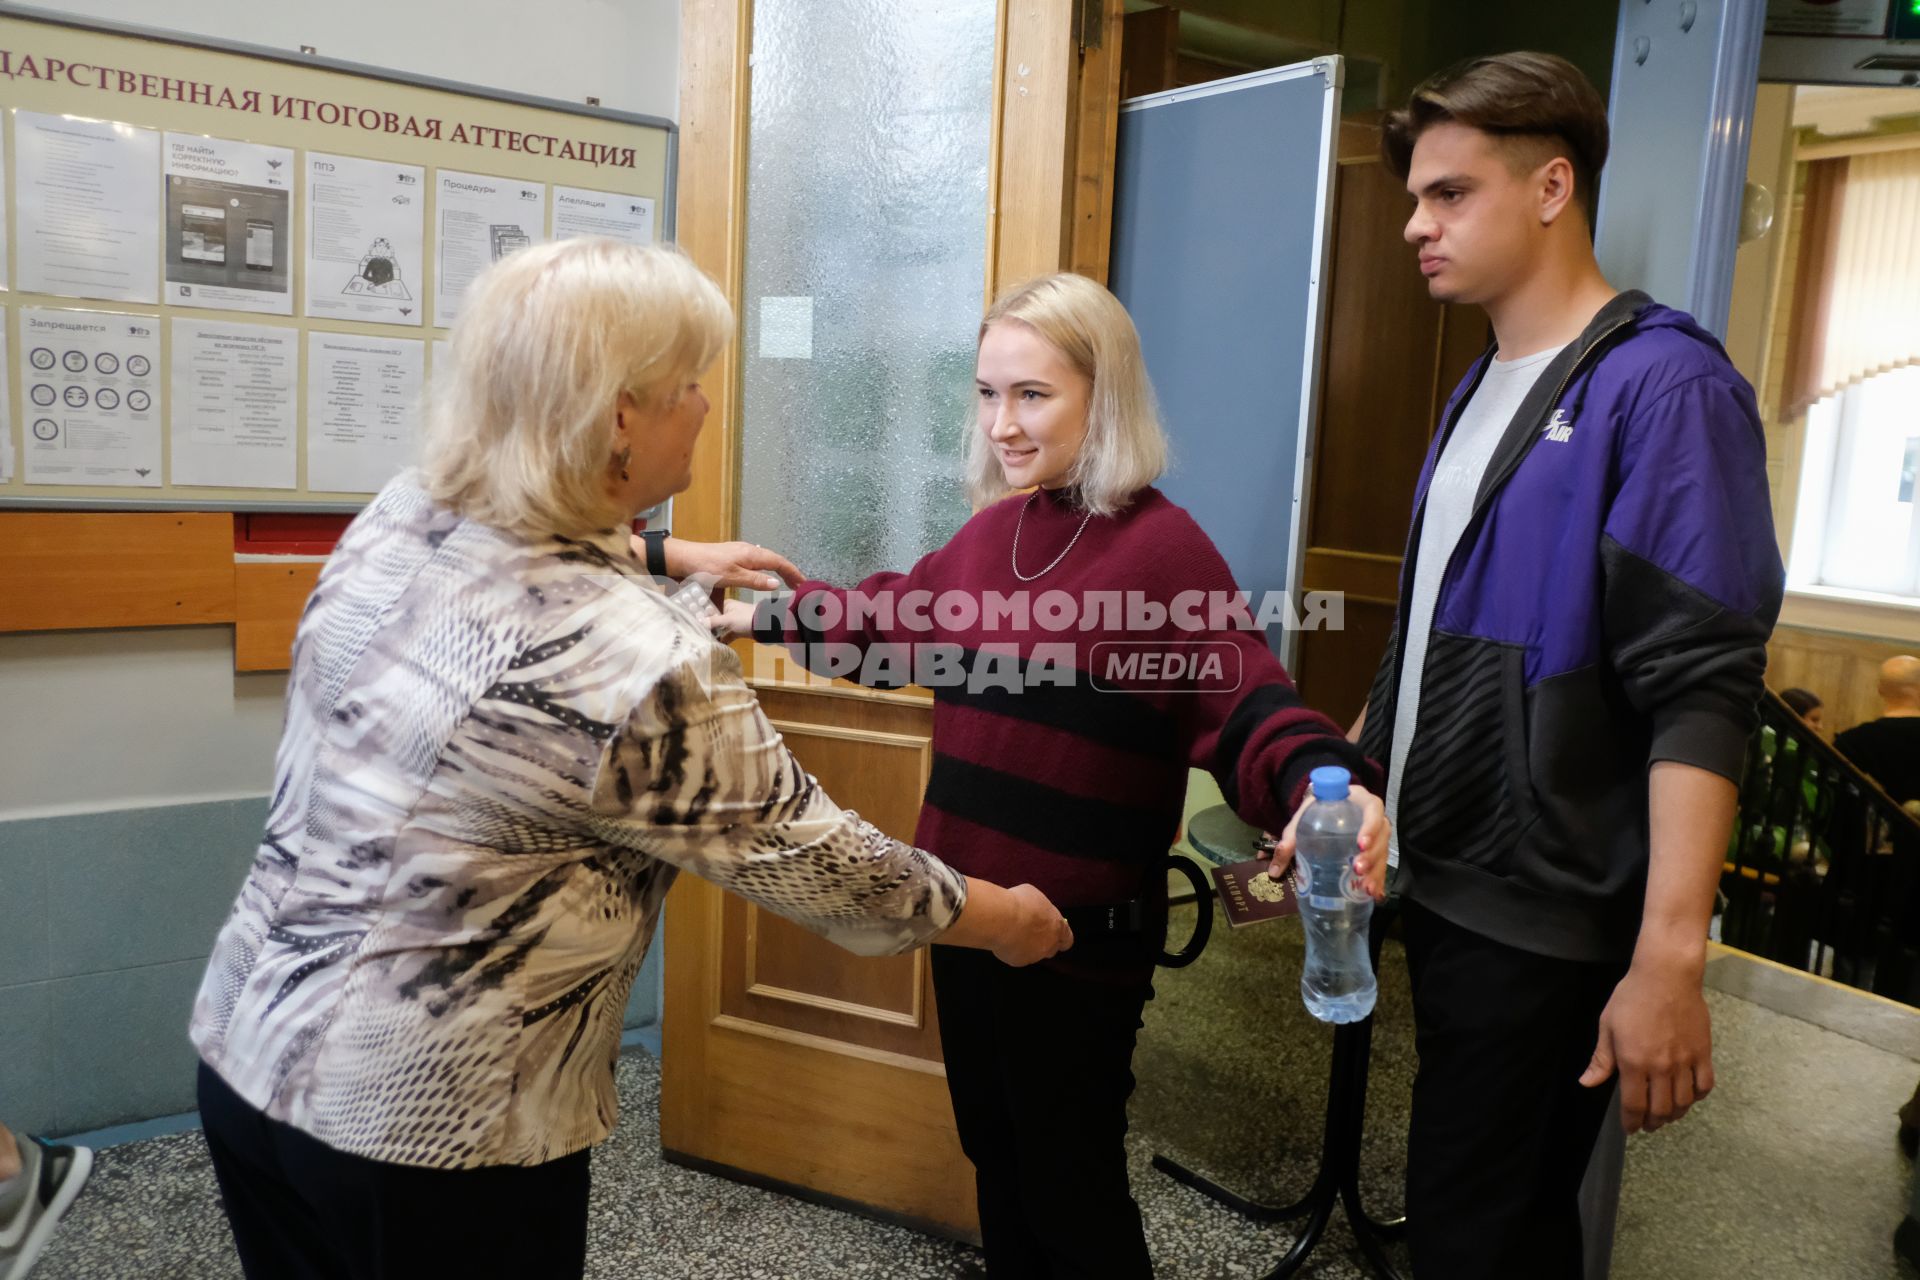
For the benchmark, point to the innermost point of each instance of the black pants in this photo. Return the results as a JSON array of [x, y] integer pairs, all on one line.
[[302, 1211], [1039, 1065], [1502, 1129]]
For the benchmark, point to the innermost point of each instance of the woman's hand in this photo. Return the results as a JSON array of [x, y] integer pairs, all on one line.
[[1037, 930], [1370, 864], [1019, 925], [733, 621], [725, 564]]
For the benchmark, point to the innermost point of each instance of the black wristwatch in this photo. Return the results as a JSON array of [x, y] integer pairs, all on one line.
[[656, 540]]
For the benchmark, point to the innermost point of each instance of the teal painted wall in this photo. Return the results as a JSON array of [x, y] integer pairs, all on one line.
[[106, 922]]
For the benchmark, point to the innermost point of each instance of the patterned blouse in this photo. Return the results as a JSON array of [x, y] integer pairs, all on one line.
[[497, 754]]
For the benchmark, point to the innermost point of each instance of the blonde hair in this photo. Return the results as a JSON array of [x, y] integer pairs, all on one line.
[[519, 426], [1125, 449]]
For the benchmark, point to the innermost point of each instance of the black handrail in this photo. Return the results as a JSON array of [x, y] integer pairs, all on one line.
[[1823, 871]]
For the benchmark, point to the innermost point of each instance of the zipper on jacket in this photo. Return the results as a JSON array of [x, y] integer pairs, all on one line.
[[1491, 491]]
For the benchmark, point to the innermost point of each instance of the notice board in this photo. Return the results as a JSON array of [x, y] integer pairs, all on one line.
[[226, 271], [1221, 217]]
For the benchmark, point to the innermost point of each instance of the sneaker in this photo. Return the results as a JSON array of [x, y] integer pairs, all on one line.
[[57, 1175]]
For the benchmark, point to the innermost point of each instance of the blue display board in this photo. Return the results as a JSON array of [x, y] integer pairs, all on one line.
[[1220, 245]]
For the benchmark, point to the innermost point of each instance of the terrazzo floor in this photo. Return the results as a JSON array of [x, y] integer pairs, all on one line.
[[1789, 1169]]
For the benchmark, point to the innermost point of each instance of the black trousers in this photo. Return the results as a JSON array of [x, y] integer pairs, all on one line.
[[303, 1211], [1502, 1130], [1040, 1066]]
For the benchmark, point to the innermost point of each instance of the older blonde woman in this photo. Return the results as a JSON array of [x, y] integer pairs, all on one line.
[[502, 741], [1084, 645]]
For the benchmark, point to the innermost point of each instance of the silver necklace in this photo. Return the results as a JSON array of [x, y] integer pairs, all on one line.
[[1029, 577]]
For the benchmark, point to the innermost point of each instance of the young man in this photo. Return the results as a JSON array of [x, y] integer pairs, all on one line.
[[1589, 585]]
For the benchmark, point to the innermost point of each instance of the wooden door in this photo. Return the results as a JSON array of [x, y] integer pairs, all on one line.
[[1392, 357], [787, 1061]]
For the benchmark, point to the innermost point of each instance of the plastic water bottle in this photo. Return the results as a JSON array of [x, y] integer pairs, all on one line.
[[1337, 983]]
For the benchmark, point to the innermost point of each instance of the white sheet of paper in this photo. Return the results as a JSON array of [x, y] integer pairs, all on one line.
[[579, 212], [90, 397], [362, 396], [235, 395], [5, 205], [6, 410], [786, 328], [481, 220], [229, 231], [366, 229], [88, 198]]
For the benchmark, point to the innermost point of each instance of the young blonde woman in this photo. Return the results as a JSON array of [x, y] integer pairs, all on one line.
[[1058, 762], [502, 741]]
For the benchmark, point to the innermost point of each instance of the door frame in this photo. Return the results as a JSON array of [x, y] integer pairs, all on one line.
[[1056, 90]]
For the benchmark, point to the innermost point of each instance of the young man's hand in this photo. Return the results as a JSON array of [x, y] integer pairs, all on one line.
[[1655, 1032]]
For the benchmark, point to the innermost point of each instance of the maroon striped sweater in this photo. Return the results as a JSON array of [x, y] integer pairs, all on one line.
[[1075, 780]]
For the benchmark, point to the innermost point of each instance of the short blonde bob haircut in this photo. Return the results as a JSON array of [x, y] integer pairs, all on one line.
[[519, 427], [1125, 449]]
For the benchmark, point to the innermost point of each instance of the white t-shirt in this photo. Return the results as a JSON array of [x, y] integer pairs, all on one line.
[[1456, 480]]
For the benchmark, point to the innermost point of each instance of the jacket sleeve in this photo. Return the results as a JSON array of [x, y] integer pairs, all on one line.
[[1692, 574], [697, 777]]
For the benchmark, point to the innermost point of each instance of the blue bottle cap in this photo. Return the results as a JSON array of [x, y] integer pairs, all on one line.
[[1330, 782]]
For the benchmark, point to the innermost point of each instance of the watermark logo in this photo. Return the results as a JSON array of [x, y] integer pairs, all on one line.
[[1127, 666], [989, 643]]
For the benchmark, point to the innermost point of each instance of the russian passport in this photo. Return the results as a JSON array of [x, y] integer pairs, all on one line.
[[1250, 896]]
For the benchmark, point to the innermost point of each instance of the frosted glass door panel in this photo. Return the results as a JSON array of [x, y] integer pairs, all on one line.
[[869, 141]]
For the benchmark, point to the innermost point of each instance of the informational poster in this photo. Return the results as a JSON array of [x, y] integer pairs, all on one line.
[[5, 205], [88, 198], [366, 231], [786, 328], [481, 220], [6, 407], [362, 400], [235, 397], [579, 212], [91, 397], [229, 233], [1828, 17]]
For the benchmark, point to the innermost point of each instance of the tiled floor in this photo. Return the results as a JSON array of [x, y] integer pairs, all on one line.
[[1788, 1170]]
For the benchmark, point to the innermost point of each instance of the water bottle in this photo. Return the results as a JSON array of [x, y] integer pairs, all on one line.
[[1337, 983]]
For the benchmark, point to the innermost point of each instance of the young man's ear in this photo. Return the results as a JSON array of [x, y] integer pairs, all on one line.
[[1556, 189]]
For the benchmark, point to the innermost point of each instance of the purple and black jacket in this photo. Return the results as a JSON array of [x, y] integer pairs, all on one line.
[[1607, 607]]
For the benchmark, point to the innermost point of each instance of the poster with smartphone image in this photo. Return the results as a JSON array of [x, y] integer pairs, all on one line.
[[229, 227]]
